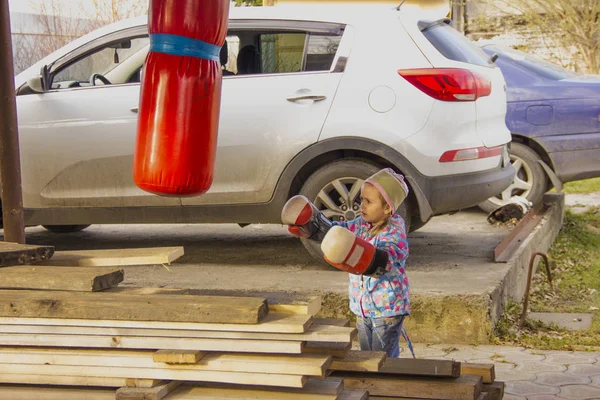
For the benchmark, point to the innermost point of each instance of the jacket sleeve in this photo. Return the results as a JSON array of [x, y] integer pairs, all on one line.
[[396, 245]]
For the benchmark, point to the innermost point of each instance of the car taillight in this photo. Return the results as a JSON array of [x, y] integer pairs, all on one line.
[[470, 154], [448, 84]]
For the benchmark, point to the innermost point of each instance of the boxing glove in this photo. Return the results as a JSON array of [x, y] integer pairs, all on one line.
[[304, 220], [348, 252]]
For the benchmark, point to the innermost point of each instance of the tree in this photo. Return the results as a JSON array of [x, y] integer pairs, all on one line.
[[248, 3], [570, 25]]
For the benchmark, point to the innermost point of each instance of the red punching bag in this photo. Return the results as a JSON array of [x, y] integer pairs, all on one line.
[[180, 97]]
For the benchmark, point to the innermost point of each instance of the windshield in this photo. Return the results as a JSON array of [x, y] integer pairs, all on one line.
[[533, 63]]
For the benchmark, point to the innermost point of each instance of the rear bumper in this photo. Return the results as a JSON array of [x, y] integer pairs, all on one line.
[[455, 192]]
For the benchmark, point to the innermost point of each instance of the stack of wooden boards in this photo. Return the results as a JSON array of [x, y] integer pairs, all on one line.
[[66, 332]]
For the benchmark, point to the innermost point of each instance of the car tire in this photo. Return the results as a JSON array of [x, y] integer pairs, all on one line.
[[65, 228], [530, 179], [328, 181]]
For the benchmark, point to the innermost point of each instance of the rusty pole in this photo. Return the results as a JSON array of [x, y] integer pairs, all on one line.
[[10, 163]]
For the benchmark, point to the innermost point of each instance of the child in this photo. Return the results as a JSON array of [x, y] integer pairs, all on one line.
[[373, 248], [381, 301]]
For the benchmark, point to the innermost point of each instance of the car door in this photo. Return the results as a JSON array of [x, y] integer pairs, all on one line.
[[77, 138], [278, 87]]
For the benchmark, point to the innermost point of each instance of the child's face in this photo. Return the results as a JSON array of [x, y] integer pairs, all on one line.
[[373, 208]]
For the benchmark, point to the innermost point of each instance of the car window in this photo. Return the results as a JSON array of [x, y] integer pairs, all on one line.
[[282, 52], [321, 52], [452, 44], [105, 60]]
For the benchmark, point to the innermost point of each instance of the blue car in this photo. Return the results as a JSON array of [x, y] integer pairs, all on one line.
[[554, 117]]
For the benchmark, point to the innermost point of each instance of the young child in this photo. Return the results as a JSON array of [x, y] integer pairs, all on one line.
[[381, 301], [373, 248]]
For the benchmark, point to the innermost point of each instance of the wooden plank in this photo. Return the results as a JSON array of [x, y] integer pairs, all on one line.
[[317, 333], [155, 393], [143, 383], [227, 362], [420, 367], [280, 302], [19, 254], [272, 323], [54, 393], [155, 343], [337, 350], [331, 321], [81, 279], [356, 360], [151, 373], [486, 371], [178, 356], [354, 395], [169, 308], [494, 391], [116, 257], [64, 380], [328, 386], [462, 388]]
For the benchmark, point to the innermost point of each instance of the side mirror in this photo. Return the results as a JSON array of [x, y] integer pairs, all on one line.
[[36, 84]]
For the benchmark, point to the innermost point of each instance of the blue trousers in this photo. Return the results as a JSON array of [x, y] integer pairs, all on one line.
[[380, 334]]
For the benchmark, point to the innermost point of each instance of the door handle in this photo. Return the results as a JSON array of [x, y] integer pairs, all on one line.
[[134, 109], [313, 97]]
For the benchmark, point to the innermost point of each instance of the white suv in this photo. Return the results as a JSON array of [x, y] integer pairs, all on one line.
[[311, 103]]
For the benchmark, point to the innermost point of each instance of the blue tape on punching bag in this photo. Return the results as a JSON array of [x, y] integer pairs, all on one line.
[[183, 46]]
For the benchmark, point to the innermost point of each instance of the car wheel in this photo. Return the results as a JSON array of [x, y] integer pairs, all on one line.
[[530, 179], [335, 190], [65, 228]]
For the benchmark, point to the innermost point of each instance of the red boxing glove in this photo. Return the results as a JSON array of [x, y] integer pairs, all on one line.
[[348, 252], [304, 220]]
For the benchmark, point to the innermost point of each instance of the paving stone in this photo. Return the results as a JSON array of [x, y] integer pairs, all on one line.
[[561, 379], [544, 397], [513, 397], [596, 381], [424, 351], [583, 369], [467, 355], [578, 392], [522, 357], [570, 359], [535, 366], [521, 388], [570, 321], [498, 349], [514, 375], [499, 366]]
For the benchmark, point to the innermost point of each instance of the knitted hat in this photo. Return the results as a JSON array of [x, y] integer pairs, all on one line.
[[391, 185]]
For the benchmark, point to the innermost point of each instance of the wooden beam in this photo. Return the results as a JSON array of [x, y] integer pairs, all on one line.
[[316, 333], [178, 356], [464, 387], [169, 308], [212, 392], [144, 383], [272, 323], [494, 391], [155, 393], [62, 380], [297, 381], [354, 395], [19, 254], [327, 386], [355, 360], [280, 302], [54, 393], [78, 279], [116, 257], [228, 362], [486, 371], [420, 367], [331, 321], [337, 350], [158, 343]]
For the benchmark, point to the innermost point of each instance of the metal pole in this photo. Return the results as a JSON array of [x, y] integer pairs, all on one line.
[[10, 163]]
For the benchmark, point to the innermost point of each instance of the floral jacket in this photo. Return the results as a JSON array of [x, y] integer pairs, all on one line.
[[385, 295]]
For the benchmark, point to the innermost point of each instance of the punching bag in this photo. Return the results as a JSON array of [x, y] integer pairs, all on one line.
[[180, 97]]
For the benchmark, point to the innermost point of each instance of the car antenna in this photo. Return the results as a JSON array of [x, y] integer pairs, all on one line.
[[400, 5]]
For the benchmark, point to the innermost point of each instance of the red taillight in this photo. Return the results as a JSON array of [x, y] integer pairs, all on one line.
[[448, 84], [470, 154]]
